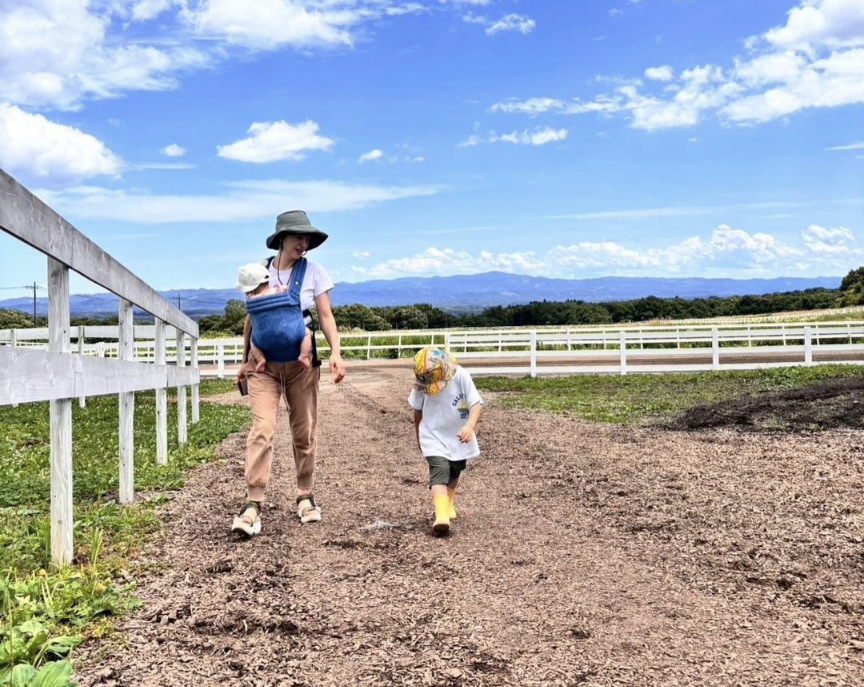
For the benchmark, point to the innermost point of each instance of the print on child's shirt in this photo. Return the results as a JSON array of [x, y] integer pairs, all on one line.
[[461, 404]]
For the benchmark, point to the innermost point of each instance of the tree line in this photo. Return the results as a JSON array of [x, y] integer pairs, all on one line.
[[556, 313]]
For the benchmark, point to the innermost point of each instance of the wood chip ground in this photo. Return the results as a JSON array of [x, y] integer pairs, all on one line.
[[582, 555]]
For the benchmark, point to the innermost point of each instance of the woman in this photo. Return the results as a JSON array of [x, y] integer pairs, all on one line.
[[293, 238]]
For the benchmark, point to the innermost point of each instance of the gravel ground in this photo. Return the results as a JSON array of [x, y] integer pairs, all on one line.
[[582, 555]]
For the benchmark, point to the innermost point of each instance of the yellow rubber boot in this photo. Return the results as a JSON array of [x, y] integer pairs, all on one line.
[[451, 497], [442, 514]]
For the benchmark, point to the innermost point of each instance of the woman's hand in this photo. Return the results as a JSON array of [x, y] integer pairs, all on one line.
[[337, 367]]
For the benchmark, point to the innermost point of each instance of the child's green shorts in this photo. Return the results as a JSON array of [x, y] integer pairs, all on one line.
[[443, 471]]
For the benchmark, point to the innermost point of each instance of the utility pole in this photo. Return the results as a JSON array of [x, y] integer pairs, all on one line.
[[34, 303], [178, 302]]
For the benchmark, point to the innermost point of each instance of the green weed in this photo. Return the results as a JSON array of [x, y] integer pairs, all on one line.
[[44, 611]]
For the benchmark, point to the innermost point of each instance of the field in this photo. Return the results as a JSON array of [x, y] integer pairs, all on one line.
[[649, 530]]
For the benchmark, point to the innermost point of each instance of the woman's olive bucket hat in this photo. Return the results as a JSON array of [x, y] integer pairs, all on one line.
[[295, 222]]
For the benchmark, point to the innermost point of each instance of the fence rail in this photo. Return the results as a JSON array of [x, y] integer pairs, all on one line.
[[50, 371], [544, 351]]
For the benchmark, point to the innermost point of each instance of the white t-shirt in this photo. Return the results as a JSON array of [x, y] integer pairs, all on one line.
[[315, 282], [444, 414]]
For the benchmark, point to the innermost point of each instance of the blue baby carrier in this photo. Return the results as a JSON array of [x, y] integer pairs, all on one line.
[[278, 324]]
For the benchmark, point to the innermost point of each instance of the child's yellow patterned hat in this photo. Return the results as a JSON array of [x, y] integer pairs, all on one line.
[[433, 370]]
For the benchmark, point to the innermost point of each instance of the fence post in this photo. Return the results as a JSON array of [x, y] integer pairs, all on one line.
[[196, 392], [808, 346], [715, 348], [622, 349], [13, 341], [60, 419], [369, 347], [82, 401], [161, 399], [126, 351], [447, 343], [533, 353], [181, 390], [220, 359]]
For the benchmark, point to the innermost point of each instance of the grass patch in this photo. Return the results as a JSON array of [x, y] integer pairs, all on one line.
[[648, 399], [45, 612]]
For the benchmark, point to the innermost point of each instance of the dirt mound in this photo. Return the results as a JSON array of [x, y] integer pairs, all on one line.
[[828, 405]]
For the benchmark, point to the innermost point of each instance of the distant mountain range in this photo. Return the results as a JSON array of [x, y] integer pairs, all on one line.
[[465, 293]]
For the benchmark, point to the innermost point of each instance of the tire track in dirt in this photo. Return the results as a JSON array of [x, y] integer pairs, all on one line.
[[574, 560]]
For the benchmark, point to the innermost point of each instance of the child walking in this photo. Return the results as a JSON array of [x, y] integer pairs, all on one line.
[[446, 408], [254, 281]]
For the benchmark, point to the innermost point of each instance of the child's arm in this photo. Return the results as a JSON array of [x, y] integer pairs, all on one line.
[[468, 428], [418, 416]]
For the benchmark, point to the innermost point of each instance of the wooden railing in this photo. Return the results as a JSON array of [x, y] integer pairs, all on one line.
[[28, 374]]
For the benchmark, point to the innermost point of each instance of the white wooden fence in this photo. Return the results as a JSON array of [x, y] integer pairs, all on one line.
[[30, 374], [574, 350]]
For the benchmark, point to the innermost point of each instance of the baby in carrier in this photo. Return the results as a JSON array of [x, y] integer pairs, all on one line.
[[279, 332]]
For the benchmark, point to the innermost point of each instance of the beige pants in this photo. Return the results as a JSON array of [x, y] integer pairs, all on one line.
[[298, 384]]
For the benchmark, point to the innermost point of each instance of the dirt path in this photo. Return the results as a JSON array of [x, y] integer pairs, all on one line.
[[582, 555]]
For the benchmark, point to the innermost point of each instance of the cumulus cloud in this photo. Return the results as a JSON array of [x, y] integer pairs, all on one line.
[[273, 141], [371, 156], [37, 148], [725, 252], [663, 73], [173, 150], [836, 240], [240, 201], [57, 53], [814, 60]]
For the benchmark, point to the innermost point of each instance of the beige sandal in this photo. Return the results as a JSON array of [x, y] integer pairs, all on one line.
[[248, 520], [307, 510]]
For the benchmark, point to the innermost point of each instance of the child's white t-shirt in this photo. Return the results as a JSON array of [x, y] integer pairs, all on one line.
[[444, 414], [315, 282]]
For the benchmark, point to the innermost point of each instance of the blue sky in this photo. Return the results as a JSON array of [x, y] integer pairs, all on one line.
[[565, 138]]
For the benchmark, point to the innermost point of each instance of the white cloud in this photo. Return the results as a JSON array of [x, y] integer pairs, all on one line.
[[531, 106], [144, 10], [371, 156], [663, 73], [269, 24], [850, 146], [822, 240], [361, 255], [60, 53], [828, 23], [173, 150], [725, 252], [272, 141], [56, 53], [535, 137], [470, 142], [38, 148], [814, 60], [241, 201], [509, 22], [512, 22]]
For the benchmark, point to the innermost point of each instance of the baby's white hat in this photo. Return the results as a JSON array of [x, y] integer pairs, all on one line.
[[251, 277]]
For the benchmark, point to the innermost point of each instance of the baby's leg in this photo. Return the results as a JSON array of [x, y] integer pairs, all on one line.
[[305, 357], [259, 355]]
